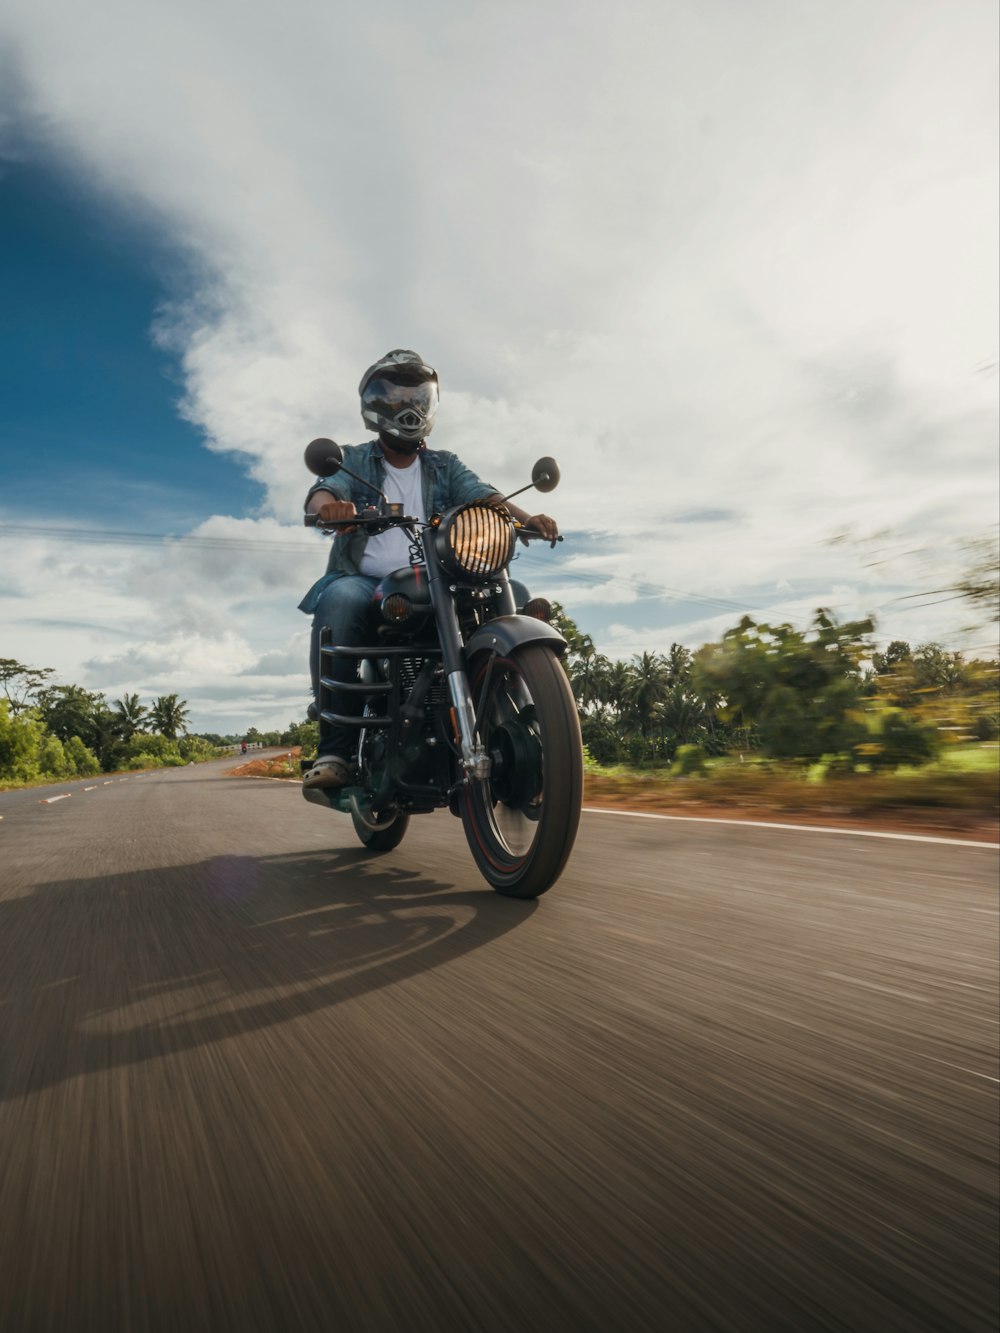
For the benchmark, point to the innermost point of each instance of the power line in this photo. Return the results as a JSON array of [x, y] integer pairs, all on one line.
[[114, 536], [646, 590]]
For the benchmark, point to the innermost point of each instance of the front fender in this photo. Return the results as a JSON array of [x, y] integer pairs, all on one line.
[[507, 634]]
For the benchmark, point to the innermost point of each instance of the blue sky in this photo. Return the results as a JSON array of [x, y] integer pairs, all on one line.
[[88, 403], [736, 268]]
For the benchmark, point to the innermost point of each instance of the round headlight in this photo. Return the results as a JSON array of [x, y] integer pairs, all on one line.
[[475, 542]]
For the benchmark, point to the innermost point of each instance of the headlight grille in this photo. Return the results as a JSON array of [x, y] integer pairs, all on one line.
[[479, 541]]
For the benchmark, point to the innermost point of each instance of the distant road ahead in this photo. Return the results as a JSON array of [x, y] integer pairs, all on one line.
[[719, 1077]]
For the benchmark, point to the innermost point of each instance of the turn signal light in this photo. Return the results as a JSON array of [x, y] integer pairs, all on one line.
[[396, 608], [538, 607]]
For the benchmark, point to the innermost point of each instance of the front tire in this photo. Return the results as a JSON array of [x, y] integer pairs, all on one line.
[[521, 822]]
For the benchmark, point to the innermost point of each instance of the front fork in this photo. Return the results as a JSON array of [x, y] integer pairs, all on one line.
[[475, 761]]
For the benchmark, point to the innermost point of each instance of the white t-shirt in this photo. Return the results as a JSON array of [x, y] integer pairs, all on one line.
[[391, 550]]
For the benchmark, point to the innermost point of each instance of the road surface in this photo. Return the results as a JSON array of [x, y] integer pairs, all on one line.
[[720, 1077]]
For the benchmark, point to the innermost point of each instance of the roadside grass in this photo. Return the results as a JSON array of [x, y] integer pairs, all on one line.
[[47, 779], [964, 779]]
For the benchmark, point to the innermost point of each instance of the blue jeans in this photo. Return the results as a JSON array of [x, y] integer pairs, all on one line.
[[343, 607]]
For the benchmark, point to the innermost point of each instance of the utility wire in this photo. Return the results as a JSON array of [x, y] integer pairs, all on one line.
[[646, 590], [110, 537]]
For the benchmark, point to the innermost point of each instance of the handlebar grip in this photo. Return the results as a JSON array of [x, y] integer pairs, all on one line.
[[331, 525], [532, 534]]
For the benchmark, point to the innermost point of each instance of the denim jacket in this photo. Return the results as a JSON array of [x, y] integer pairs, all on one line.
[[446, 482]]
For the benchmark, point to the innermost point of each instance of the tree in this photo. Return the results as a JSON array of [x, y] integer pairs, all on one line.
[[648, 684], [70, 710], [934, 668], [683, 715], [801, 691], [21, 684], [886, 663], [130, 714], [587, 675], [169, 715], [79, 759], [678, 665], [21, 739]]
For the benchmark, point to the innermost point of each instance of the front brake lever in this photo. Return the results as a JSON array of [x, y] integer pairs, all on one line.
[[527, 534]]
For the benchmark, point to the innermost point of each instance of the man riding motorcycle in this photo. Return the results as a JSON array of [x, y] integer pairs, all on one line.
[[399, 400]]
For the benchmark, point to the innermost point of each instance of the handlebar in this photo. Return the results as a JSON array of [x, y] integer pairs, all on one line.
[[384, 521], [361, 521]]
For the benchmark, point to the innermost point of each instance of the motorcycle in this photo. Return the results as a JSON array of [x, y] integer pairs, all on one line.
[[465, 704]]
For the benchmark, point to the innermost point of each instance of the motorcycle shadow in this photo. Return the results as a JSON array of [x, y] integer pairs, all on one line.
[[133, 967]]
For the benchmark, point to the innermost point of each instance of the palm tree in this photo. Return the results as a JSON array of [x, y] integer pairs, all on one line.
[[647, 688], [678, 664], [617, 685], [130, 715], [682, 714], [587, 673], [169, 715]]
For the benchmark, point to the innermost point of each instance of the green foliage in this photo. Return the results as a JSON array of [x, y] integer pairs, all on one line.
[[689, 760], [22, 737], [155, 751], [20, 683], [81, 761], [129, 715], [70, 710], [195, 749], [168, 715], [895, 737], [52, 758], [800, 690], [305, 734]]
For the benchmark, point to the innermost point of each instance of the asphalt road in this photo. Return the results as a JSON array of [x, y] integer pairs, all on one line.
[[720, 1077]]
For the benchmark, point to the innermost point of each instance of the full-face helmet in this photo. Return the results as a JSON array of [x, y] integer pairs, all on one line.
[[399, 397]]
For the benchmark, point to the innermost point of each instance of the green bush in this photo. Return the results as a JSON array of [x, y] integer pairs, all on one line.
[[689, 760], [52, 760], [896, 738], [142, 760], [156, 752], [79, 759], [21, 739], [601, 740], [193, 749]]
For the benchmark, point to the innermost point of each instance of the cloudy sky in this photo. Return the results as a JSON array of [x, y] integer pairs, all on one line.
[[734, 265]]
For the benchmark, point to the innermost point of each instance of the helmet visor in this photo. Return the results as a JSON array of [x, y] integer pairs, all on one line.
[[389, 399]]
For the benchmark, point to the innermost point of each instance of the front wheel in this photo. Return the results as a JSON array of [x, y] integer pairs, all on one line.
[[521, 822]]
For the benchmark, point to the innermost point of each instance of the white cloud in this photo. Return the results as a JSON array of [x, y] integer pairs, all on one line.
[[710, 257]]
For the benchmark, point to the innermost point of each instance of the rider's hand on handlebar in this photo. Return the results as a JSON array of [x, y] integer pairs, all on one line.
[[548, 527], [337, 511], [544, 526]]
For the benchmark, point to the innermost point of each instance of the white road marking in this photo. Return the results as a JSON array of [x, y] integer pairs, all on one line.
[[50, 800], [873, 985], [974, 1072], [94, 788], [796, 828]]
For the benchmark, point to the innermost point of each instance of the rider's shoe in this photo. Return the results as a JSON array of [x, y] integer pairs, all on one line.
[[329, 770]]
